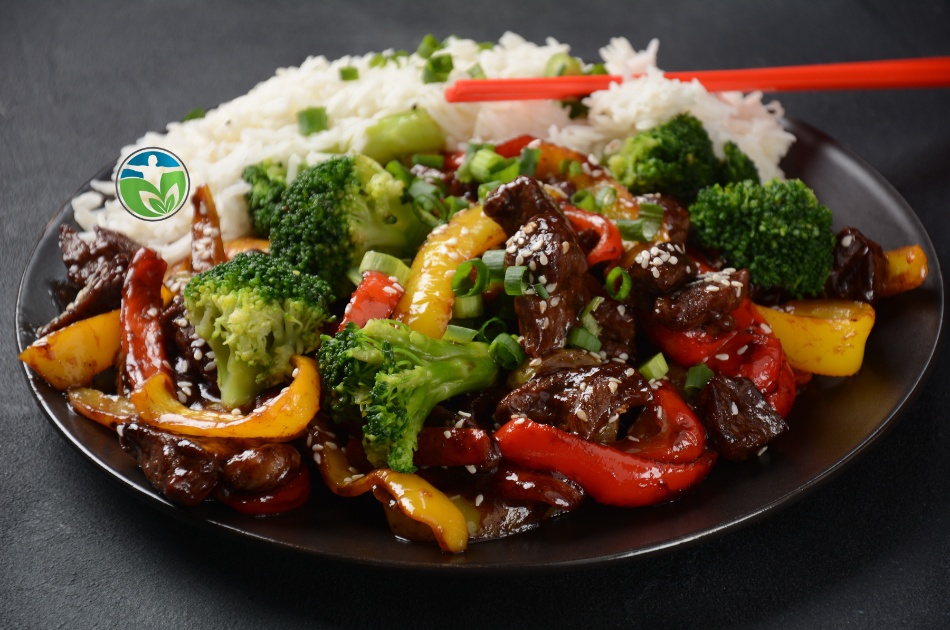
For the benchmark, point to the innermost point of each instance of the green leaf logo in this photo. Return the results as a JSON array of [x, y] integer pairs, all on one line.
[[153, 184]]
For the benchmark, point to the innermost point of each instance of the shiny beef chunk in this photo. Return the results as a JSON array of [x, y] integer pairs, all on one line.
[[192, 371], [739, 422], [659, 269], [261, 469], [860, 268], [184, 469], [512, 205], [618, 329], [546, 245], [586, 401], [99, 268], [704, 302], [675, 216]]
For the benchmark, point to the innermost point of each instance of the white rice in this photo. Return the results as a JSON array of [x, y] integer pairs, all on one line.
[[262, 124]]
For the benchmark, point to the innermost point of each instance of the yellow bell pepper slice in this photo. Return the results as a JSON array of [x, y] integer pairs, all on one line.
[[906, 269], [822, 336], [72, 355], [280, 420], [245, 244], [109, 411], [412, 495], [426, 305]]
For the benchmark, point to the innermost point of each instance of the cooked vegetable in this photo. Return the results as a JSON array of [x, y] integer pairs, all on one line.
[[338, 210], [72, 355], [778, 231], [681, 438], [392, 377], [906, 269], [677, 158], [207, 248], [109, 411], [312, 120], [374, 298], [427, 304], [288, 496], [268, 182], [279, 420], [609, 245], [140, 324], [246, 244], [412, 131], [822, 336], [256, 312]]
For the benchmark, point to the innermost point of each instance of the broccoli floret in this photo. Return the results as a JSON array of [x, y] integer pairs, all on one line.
[[391, 378], [255, 313], [338, 210], [677, 159], [268, 182], [778, 231]]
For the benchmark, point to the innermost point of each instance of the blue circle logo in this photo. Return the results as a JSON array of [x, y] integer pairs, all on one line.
[[153, 184]]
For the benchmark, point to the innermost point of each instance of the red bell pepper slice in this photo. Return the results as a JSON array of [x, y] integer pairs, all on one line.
[[453, 160], [754, 355], [375, 298], [291, 495], [610, 245], [682, 437], [523, 484], [452, 447], [608, 474], [207, 248], [140, 324], [783, 397], [512, 148]]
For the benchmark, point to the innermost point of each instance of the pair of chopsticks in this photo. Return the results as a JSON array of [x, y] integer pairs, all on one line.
[[928, 72]]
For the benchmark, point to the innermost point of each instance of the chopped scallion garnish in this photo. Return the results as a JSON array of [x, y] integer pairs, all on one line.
[[642, 230], [437, 69], [509, 173], [476, 72], [427, 46], [529, 161], [491, 329], [587, 316], [650, 211], [484, 189], [606, 197], [656, 368], [454, 205], [468, 307], [193, 114], [428, 159], [386, 265], [581, 338], [458, 334], [400, 172], [349, 73], [562, 64], [626, 283], [462, 283], [494, 259], [542, 291], [516, 280], [584, 200], [506, 352], [485, 162], [312, 120], [696, 378], [574, 168]]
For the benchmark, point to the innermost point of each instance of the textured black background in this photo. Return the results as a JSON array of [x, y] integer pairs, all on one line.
[[80, 80]]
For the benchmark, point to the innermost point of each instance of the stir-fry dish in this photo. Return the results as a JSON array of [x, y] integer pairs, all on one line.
[[483, 337]]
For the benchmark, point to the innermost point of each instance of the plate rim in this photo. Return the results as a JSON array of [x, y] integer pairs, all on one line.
[[153, 499]]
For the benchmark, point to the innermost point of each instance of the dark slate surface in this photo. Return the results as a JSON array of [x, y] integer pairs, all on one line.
[[79, 80]]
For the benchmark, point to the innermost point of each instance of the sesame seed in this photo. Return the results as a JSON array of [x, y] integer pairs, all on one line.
[[742, 350], [722, 357], [528, 229], [447, 434], [674, 260], [318, 447], [712, 288], [761, 451], [624, 356], [535, 246], [614, 417], [656, 272], [565, 246], [454, 255], [543, 259], [736, 283], [519, 421], [347, 479], [555, 301], [542, 307], [479, 499], [458, 425], [532, 266], [512, 249], [544, 323], [153, 312], [632, 439], [309, 441], [519, 260], [357, 476], [452, 241], [182, 398], [735, 409], [166, 364], [630, 372], [765, 329], [295, 372], [534, 362], [470, 469], [847, 240], [332, 446], [622, 310], [198, 355], [390, 290], [182, 322], [603, 354], [656, 262], [729, 270], [521, 241], [655, 251], [612, 386], [235, 412], [465, 413], [209, 367], [582, 415], [317, 458], [197, 343]]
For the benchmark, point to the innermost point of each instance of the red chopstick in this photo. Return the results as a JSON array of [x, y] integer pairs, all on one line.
[[927, 72]]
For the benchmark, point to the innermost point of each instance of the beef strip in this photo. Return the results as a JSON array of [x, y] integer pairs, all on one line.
[[706, 301], [261, 469], [99, 267], [545, 244], [738, 420], [587, 401], [618, 329], [860, 268], [675, 217], [193, 372], [660, 269]]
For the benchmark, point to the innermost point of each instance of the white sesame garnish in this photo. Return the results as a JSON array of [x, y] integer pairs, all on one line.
[[465, 413], [742, 350], [235, 412], [317, 458], [390, 290], [519, 421], [612, 386], [332, 446], [318, 447], [533, 266], [847, 240], [765, 329], [729, 270], [198, 355], [519, 260], [478, 500], [544, 323], [543, 307], [512, 249], [295, 372], [565, 247], [630, 372], [447, 434], [182, 398], [623, 356], [458, 425], [555, 301], [656, 273], [452, 241], [182, 322], [550, 288], [347, 479], [674, 260], [582, 415], [534, 362], [722, 357], [471, 469], [528, 229], [209, 367], [197, 343], [712, 288], [761, 451], [735, 409], [542, 258], [153, 312], [454, 255]]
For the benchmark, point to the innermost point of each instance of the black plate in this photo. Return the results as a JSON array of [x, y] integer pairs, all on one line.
[[833, 422]]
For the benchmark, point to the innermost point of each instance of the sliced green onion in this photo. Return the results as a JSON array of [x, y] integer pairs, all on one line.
[[494, 259], [429, 209], [581, 338], [563, 165], [650, 211], [458, 334], [491, 329], [598, 68], [484, 163], [472, 148], [427, 46], [422, 188], [509, 173], [349, 73], [625, 284], [562, 64], [584, 200], [574, 168], [467, 307], [528, 164], [575, 108], [386, 265], [606, 197], [516, 280], [476, 72], [430, 160], [312, 120], [696, 378], [506, 352], [642, 230], [454, 205], [464, 173], [193, 114], [484, 189], [353, 275], [462, 283], [400, 172], [377, 60], [587, 316], [437, 69], [656, 368], [486, 45], [542, 291]]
